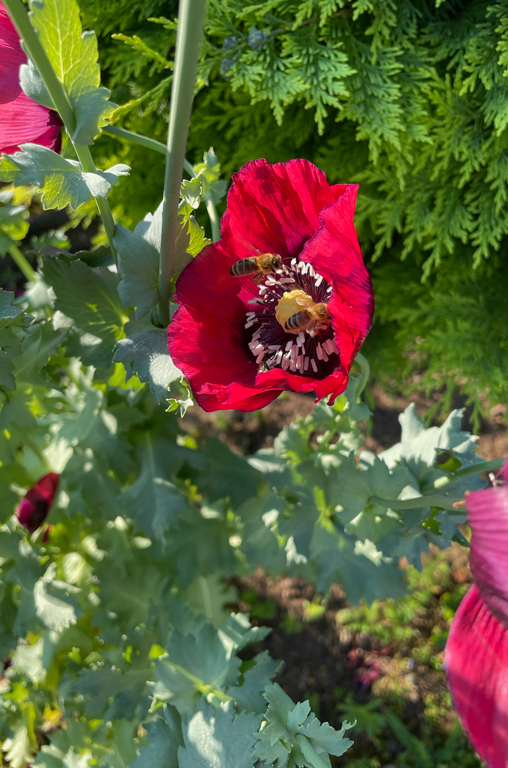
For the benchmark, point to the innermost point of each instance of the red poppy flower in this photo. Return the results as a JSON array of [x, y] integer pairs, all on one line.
[[229, 336], [35, 505], [477, 648], [21, 119]]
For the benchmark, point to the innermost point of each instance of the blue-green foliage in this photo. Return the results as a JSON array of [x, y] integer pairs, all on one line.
[[407, 97], [117, 619]]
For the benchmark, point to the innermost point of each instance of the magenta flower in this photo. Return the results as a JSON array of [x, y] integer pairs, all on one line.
[[21, 120], [242, 336], [34, 507], [477, 649]]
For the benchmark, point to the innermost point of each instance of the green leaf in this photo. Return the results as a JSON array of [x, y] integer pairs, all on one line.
[[10, 313], [13, 225], [147, 355], [33, 85], [187, 673], [73, 55], [201, 545], [214, 738], [90, 298], [61, 181], [214, 188], [19, 749], [228, 475], [138, 257], [55, 604], [152, 500], [293, 736], [359, 567], [248, 695], [165, 737]]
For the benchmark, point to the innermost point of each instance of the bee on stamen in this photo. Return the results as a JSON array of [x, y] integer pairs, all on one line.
[[313, 318], [258, 266]]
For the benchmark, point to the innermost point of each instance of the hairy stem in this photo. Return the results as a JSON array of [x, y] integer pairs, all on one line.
[[188, 40], [21, 262], [18, 13]]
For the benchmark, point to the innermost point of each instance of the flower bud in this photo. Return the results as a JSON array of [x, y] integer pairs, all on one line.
[[256, 39], [35, 505]]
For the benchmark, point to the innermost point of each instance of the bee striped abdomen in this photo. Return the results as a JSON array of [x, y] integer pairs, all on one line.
[[299, 321], [244, 267]]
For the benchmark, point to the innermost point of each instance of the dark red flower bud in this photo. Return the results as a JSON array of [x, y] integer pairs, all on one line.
[[35, 505]]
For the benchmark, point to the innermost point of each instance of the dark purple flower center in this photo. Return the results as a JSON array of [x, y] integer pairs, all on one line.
[[313, 351]]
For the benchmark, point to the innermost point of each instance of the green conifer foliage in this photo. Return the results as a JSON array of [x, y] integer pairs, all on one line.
[[407, 97]]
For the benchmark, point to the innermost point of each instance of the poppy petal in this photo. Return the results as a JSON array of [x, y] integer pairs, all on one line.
[[23, 120], [488, 519], [283, 203], [334, 252], [477, 669]]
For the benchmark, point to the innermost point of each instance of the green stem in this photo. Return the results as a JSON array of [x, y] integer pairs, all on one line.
[[420, 501], [22, 263], [18, 13], [214, 220], [158, 146], [188, 40], [136, 138], [88, 165], [485, 466]]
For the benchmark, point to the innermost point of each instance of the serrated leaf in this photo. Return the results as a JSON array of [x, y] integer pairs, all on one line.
[[13, 226], [152, 500], [293, 736], [186, 673], [138, 257], [90, 298], [33, 85], [360, 568], [61, 181], [214, 188], [55, 605], [147, 355], [228, 475], [248, 695], [214, 739], [10, 313], [19, 750], [165, 736], [73, 55]]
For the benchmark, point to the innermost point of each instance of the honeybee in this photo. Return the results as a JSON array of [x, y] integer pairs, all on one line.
[[309, 319], [259, 266]]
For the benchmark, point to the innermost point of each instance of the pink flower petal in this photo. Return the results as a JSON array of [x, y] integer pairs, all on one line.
[[22, 120], [488, 519], [477, 670]]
